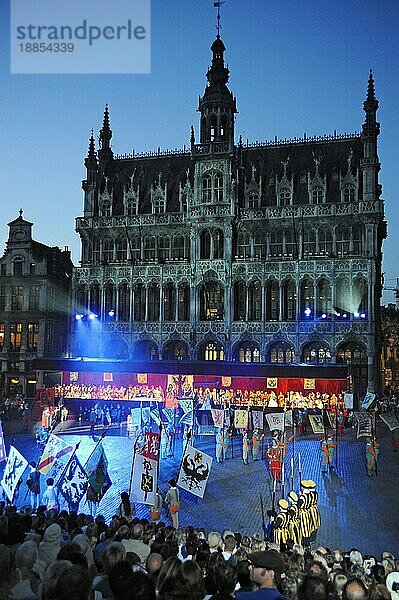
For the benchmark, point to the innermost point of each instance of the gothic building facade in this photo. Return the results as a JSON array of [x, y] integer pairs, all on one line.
[[255, 252], [35, 289]]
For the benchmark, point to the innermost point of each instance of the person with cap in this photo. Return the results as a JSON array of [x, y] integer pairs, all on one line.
[[172, 499], [257, 437], [304, 513], [294, 525], [325, 456], [281, 523], [245, 447], [313, 510], [214, 541], [274, 455], [372, 451], [266, 568]]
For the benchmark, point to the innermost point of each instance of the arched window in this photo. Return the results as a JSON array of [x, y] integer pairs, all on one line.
[[82, 297], [109, 299], [351, 352], [95, 299], [239, 300], [123, 302], [255, 301], [223, 128], [176, 351], [149, 248], [18, 265], [96, 252], [158, 203], [164, 248], [169, 302], [343, 236], [253, 198], [121, 249], [284, 197], [272, 301], [146, 350], [276, 243], [218, 188], [259, 245], [316, 352], [153, 302], [306, 298], [131, 206], [357, 239], [325, 239], [324, 297], [105, 208], [359, 296], [343, 300], [207, 188], [289, 300], [135, 248], [291, 243], [211, 301], [349, 193], [281, 353], [248, 352], [212, 187], [309, 241], [178, 247], [205, 244], [213, 125], [108, 250], [317, 195], [183, 306], [139, 302], [243, 245]]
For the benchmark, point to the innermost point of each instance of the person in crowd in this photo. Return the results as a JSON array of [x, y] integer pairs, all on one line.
[[33, 485], [48, 548], [126, 508], [50, 497], [228, 436], [281, 524], [274, 455], [266, 568], [245, 447], [372, 451], [134, 543], [220, 441], [257, 437], [155, 509], [172, 499], [92, 500]]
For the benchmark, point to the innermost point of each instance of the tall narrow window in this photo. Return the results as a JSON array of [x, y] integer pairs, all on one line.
[[124, 302], [121, 249], [17, 297], [34, 298], [153, 302], [272, 301], [3, 296], [206, 188], [218, 188], [33, 337], [2, 333], [317, 195], [169, 302], [183, 313], [108, 250], [15, 336], [18, 266]]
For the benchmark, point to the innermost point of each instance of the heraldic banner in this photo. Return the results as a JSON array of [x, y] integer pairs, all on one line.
[[257, 419], [316, 423], [217, 417], [364, 425], [391, 420], [73, 483], [2, 446], [96, 468], [55, 457], [15, 466], [144, 480], [241, 419], [275, 421], [194, 471]]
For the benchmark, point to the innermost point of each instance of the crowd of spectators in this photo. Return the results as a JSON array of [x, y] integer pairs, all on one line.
[[48, 555]]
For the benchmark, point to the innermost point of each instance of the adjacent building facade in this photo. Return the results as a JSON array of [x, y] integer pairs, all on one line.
[[35, 288], [255, 252]]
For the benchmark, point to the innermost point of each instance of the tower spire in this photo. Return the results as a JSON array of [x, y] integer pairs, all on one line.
[[105, 131], [218, 25], [371, 129], [91, 158]]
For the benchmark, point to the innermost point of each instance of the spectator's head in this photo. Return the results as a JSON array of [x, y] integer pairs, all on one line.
[[112, 555], [266, 568], [167, 576], [214, 540], [378, 592], [138, 586], [137, 532], [117, 577], [226, 578], [229, 543], [192, 545], [244, 574], [189, 582], [74, 582], [338, 582], [51, 576], [354, 589], [124, 532], [50, 481], [26, 555], [5, 562], [392, 584], [154, 564], [313, 588]]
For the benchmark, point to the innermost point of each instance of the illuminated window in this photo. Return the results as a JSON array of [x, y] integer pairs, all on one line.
[[316, 353], [33, 337], [2, 330], [282, 352], [15, 336], [213, 351]]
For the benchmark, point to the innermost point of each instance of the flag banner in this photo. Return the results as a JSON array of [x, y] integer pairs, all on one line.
[[141, 377], [367, 400], [272, 383], [288, 418], [309, 384], [2, 446], [73, 483], [155, 416], [364, 424], [348, 401], [194, 471], [136, 417], [218, 417], [316, 423], [226, 382], [188, 412], [241, 419], [186, 404], [97, 471], [187, 386], [151, 445], [73, 376], [169, 414], [145, 414], [275, 421], [144, 480], [332, 418], [15, 466], [391, 420], [257, 419], [55, 456]]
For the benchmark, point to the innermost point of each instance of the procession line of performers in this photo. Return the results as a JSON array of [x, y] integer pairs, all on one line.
[[299, 517]]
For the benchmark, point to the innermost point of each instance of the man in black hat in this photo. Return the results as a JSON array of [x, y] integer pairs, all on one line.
[[266, 568]]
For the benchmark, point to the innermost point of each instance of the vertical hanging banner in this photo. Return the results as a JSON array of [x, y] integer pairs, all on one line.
[[332, 418], [348, 401], [257, 419], [15, 466], [151, 445], [186, 404], [73, 483], [275, 421], [2, 445], [217, 417], [390, 420], [97, 471], [241, 419], [316, 423], [194, 471], [364, 424], [368, 400], [55, 457], [144, 480]]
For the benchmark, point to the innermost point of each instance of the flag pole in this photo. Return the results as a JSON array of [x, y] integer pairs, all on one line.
[[102, 436]]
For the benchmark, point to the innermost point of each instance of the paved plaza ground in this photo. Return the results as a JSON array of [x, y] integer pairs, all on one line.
[[356, 510]]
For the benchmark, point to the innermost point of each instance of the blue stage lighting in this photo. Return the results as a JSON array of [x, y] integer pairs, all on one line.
[[93, 316], [308, 311], [111, 313], [344, 316], [356, 314], [79, 316], [324, 316], [362, 315]]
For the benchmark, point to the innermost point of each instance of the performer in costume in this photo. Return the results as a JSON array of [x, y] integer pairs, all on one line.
[[274, 456], [332, 448], [304, 513], [33, 485], [172, 499], [155, 509], [325, 456], [341, 423], [294, 525], [281, 523], [219, 436], [228, 434], [245, 447], [313, 509], [372, 451], [257, 437]]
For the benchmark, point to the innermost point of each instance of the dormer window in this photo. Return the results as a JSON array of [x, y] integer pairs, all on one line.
[[349, 193], [131, 206], [158, 205], [317, 195], [105, 209], [212, 187], [285, 197]]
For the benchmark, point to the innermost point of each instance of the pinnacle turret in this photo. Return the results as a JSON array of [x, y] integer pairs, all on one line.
[[105, 132], [91, 159]]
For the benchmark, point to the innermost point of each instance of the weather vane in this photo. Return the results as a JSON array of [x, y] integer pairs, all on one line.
[[218, 5]]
